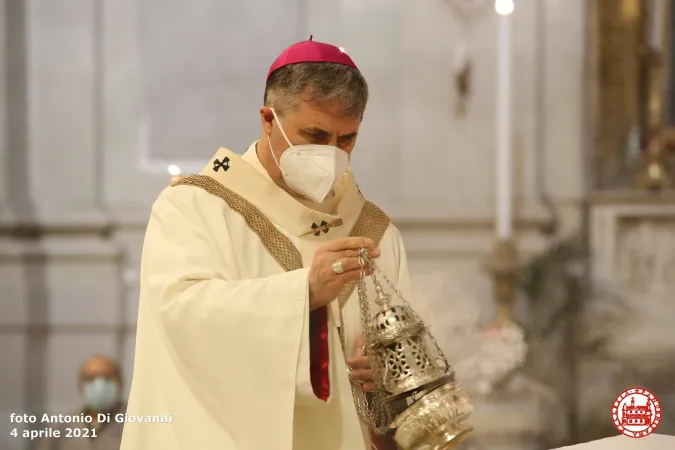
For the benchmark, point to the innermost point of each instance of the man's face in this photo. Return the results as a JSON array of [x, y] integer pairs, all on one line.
[[98, 367], [311, 123]]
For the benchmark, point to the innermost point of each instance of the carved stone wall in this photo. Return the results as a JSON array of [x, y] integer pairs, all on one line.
[[630, 319]]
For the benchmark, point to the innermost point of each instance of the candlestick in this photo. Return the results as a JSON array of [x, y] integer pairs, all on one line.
[[504, 140], [653, 173], [175, 173], [503, 263]]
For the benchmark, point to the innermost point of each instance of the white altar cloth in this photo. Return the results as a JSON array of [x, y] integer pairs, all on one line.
[[651, 442]]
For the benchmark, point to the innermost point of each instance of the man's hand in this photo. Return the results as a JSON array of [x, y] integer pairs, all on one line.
[[359, 368], [360, 372], [324, 283], [385, 442]]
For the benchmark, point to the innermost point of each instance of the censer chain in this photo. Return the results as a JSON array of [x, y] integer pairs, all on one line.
[[372, 412]]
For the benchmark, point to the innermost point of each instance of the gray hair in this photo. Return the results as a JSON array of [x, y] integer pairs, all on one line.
[[324, 82]]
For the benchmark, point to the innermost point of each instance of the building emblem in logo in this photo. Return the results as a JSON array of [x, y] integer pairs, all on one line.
[[636, 412]]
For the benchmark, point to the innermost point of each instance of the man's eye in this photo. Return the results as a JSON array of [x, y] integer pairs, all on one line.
[[317, 138]]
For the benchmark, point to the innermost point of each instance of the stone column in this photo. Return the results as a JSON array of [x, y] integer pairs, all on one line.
[[4, 139], [64, 129], [60, 271]]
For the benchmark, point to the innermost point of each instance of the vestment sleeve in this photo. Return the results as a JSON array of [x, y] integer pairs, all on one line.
[[232, 339]]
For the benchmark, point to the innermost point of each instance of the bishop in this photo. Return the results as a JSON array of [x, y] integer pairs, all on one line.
[[248, 323]]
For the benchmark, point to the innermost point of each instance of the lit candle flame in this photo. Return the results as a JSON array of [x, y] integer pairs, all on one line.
[[175, 172], [504, 7]]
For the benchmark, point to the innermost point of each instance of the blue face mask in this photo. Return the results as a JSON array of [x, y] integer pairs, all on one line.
[[100, 394]]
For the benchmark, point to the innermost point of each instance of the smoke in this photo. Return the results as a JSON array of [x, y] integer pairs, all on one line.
[[449, 312], [480, 358]]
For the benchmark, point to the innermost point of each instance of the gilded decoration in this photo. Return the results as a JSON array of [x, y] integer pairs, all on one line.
[[630, 87]]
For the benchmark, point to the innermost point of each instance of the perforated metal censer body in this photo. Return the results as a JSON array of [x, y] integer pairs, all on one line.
[[417, 393]]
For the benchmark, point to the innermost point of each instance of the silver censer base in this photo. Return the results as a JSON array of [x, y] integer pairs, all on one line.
[[437, 421]]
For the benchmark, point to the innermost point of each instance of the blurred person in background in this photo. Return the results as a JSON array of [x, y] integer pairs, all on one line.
[[100, 384]]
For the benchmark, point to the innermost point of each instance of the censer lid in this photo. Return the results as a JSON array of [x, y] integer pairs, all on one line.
[[393, 323]]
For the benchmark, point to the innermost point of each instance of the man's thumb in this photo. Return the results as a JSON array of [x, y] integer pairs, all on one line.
[[358, 344]]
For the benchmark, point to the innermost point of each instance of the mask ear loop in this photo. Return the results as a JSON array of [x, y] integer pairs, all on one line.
[[283, 133], [272, 152]]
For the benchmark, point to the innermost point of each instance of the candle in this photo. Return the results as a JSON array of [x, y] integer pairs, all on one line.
[[656, 24], [175, 172], [504, 140]]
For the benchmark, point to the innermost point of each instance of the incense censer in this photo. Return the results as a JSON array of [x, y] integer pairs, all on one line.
[[417, 395]]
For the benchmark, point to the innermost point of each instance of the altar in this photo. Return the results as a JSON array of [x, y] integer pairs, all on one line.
[[652, 442]]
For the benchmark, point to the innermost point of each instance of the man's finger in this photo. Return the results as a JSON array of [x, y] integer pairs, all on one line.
[[358, 362], [361, 375], [369, 387], [373, 253], [352, 275], [345, 254], [349, 243], [359, 343], [350, 264]]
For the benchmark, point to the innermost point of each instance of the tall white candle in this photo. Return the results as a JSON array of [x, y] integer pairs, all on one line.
[[504, 128], [656, 24]]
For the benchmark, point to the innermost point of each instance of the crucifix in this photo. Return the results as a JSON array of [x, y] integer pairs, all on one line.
[[462, 67]]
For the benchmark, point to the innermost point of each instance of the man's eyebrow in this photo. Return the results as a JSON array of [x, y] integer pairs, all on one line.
[[319, 132], [314, 131], [348, 136]]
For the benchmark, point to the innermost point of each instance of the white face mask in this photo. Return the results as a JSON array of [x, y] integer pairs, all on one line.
[[310, 170], [100, 394]]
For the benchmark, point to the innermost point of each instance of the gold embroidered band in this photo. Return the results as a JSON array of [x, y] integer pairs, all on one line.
[[371, 223], [277, 244]]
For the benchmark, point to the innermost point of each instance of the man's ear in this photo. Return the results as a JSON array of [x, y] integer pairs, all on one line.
[[266, 120]]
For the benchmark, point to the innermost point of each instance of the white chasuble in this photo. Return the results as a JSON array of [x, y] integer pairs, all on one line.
[[223, 337]]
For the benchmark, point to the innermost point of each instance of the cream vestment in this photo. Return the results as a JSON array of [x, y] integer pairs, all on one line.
[[223, 331]]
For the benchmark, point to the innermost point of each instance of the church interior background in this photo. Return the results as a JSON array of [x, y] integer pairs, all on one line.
[[547, 317]]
